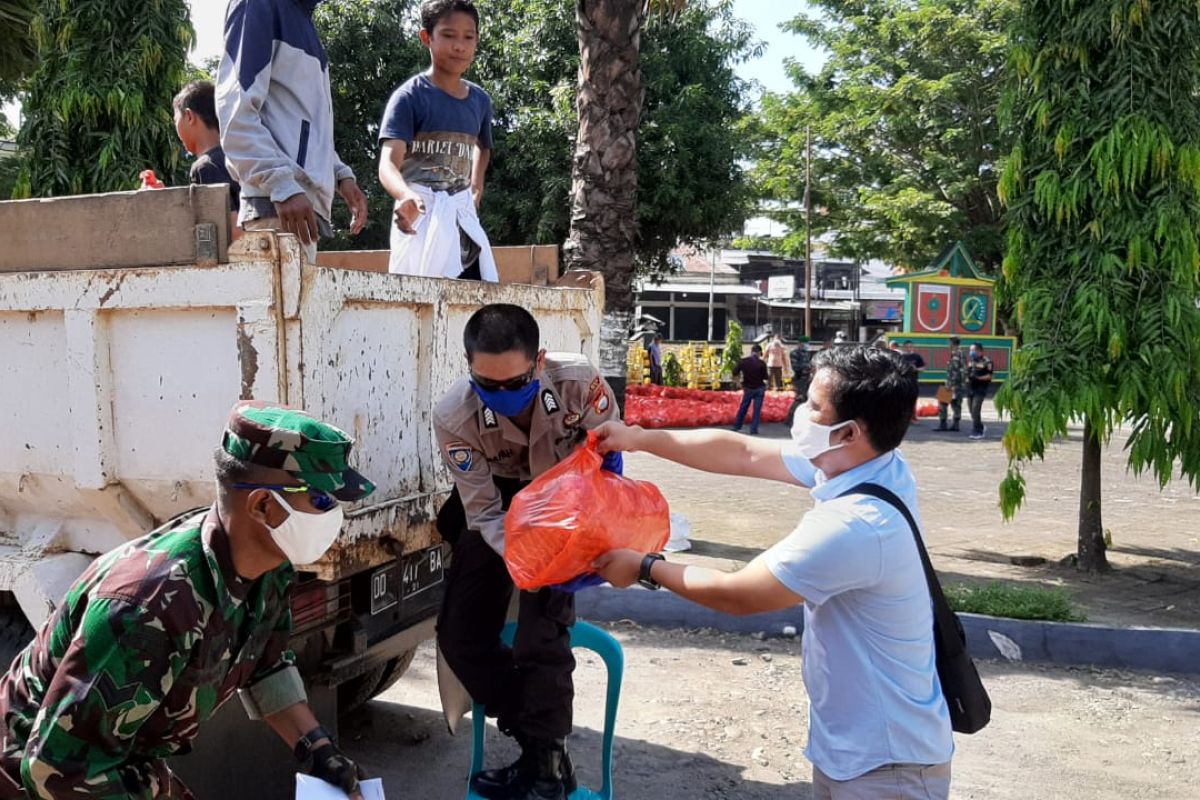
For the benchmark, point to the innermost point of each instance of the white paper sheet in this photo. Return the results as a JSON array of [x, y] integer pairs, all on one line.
[[310, 788]]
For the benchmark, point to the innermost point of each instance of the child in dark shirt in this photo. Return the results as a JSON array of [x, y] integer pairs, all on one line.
[[198, 129]]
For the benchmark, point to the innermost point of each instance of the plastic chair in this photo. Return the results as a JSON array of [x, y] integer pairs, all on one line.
[[589, 637]]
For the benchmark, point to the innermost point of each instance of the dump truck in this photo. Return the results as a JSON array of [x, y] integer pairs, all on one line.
[[130, 325]]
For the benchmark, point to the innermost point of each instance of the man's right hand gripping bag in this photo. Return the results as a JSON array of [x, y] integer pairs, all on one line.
[[575, 512]]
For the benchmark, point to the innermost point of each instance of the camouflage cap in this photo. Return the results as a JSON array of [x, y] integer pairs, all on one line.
[[316, 453]]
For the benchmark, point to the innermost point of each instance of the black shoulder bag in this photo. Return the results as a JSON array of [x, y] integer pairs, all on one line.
[[970, 706]]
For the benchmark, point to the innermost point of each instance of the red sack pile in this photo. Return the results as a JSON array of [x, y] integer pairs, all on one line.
[[927, 410], [575, 512], [674, 407]]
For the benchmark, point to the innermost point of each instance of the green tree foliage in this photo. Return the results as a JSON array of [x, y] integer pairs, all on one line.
[[904, 129], [691, 185], [672, 371], [373, 47], [98, 106], [17, 51], [1103, 190], [733, 349]]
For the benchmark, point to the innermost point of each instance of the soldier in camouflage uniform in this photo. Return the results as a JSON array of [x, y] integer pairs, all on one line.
[[157, 634], [956, 382]]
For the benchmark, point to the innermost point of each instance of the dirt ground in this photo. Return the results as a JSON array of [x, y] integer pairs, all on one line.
[[1156, 535], [708, 716]]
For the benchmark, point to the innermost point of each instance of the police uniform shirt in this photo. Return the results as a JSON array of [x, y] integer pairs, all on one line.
[[477, 443]]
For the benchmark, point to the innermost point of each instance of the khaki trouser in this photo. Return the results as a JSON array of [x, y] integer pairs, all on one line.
[[889, 782]]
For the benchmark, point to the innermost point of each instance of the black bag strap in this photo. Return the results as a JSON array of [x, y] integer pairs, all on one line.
[[945, 623]]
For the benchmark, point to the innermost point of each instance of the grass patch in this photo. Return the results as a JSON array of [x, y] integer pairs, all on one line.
[[1014, 602]]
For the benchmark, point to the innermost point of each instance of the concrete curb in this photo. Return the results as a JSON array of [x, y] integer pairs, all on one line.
[[1076, 644]]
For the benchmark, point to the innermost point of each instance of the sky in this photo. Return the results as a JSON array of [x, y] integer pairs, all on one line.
[[766, 16]]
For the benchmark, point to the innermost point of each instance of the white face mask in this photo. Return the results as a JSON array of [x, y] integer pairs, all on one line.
[[812, 438], [304, 537]]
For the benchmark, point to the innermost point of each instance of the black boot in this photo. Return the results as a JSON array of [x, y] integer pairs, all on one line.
[[543, 772], [497, 783]]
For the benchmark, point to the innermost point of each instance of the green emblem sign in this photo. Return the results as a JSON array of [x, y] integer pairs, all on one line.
[[973, 311]]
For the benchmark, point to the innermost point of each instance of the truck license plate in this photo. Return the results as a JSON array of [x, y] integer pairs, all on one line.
[[414, 574], [421, 571]]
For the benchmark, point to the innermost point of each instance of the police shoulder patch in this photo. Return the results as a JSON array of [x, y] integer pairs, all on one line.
[[601, 403], [550, 402], [489, 418], [459, 454]]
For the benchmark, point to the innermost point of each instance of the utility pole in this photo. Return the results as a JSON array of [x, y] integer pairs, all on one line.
[[808, 232], [712, 268]]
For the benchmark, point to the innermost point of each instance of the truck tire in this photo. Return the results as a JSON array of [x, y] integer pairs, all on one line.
[[396, 669], [356, 692], [15, 633]]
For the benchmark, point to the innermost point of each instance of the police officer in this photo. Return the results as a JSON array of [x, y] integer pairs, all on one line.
[[519, 413], [156, 635]]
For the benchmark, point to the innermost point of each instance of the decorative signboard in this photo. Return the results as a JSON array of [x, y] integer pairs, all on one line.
[[951, 298]]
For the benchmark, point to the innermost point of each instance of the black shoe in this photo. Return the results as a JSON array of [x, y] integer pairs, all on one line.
[[941, 428], [954, 427], [496, 783], [543, 772]]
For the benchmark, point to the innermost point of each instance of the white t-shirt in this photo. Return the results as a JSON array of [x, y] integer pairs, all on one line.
[[869, 663]]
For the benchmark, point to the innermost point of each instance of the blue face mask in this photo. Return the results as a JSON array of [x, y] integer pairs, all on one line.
[[508, 402]]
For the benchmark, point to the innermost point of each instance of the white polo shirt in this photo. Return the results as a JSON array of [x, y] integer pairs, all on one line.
[[868, 649]]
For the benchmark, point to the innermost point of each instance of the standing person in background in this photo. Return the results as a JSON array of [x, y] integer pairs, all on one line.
[[276, 113], [656, 360], [436, 142], [754, 388], [955, 387], [801, 375], [911, 356], [776, 353], [200, 133], [979, 378]]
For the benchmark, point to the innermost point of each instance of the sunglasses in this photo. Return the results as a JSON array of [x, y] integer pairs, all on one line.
[[510, 385], [321, 501]]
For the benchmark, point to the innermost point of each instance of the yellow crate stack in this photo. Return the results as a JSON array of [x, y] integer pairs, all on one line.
[[701, 367], [637, 364]]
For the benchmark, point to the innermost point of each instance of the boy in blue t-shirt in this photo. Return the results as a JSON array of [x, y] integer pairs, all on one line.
[[436, 137]]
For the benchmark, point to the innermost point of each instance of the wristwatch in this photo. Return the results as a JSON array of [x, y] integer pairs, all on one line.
[[644, 573], [308, 742]]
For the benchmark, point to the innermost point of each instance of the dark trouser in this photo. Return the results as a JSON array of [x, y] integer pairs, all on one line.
[[656, 376], [748, 395], [975, 403], [956, 404], [527, 687], [776, 377]]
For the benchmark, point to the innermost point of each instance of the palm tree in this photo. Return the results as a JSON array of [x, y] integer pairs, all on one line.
[[604, 173]]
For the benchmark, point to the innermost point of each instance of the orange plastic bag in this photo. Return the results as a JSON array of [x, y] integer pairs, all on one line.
[[573, 513]]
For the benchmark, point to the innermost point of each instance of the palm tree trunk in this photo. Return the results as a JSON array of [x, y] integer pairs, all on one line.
[[603, 233], [1091, 555]]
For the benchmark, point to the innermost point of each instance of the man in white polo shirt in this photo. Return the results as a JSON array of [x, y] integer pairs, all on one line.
[[878, 722]]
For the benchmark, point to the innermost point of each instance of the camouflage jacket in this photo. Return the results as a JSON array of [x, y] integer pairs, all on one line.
[[956, 371], [145, 647]]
